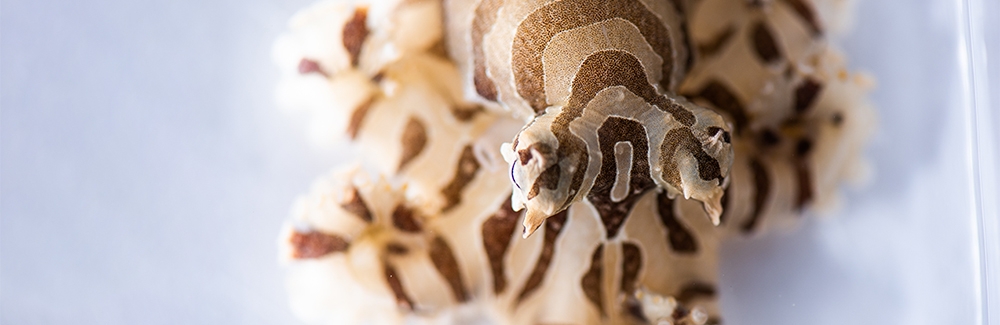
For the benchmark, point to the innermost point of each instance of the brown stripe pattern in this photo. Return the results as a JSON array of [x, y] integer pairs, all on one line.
[[715, 45], [567, 168], [680, 239], [805, 94], [485, 16], [723, 99], [498, 231], [397, 235], [764, 43], [682, 140], [414, 140], [357, 117], [314, 244], [591, 281], [445, 263], [465, 171], [807, 14], [631, 263], [537, 29], [354, 34], [802, 174], [354, 204], [553, 226], [396, 285], [405, 219], [613, 131], [695, 290], [762, 190]]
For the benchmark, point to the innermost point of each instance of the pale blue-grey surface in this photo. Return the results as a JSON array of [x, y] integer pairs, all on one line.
[[146, 172]]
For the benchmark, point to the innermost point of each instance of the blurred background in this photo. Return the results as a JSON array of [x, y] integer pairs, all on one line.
[[145, 171]]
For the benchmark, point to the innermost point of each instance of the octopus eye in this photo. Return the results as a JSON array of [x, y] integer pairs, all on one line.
[[512, 178], [714, 131]]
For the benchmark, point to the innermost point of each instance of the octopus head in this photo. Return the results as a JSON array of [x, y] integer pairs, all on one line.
[[540, 174], [705, 164]]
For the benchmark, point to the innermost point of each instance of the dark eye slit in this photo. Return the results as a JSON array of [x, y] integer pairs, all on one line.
[[512, 175]]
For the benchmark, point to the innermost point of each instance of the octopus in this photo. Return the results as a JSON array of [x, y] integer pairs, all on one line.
[[558, 161]]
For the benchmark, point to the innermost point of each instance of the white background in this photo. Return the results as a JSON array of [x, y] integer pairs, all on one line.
[[146, 172]]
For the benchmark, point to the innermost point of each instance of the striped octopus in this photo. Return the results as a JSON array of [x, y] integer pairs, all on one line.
[[558, 161]]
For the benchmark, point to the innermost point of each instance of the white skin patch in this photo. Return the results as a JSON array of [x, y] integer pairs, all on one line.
[[623, 160]]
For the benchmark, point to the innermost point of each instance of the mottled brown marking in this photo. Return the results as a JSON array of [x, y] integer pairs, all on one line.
[[804, 176], [805, 94], [768, 138], [354, 204], [681, 239], [549, 179], [378, 77], [611, 68], [464, 174], [682, 140], [314, 244], [482, 23], [613, 130], [680, 312], [358, 116], [414, 140], [803, 147], [527, 154], [714, 320], [467, 113], [764, 44], [307, 66], [355, 33], [535, 32], [402, 299], [695, 290], [762, 190], [498, 231], [805, 11], [405, 219], [395, 248], [719, 96], [440, 48], [446, 264], [631, 263], [591, 281], [717, 42], [553, 226]]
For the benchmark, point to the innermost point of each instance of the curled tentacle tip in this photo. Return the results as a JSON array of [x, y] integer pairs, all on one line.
[[713, 207], [529, 229], [527, 232], [532, 220]]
